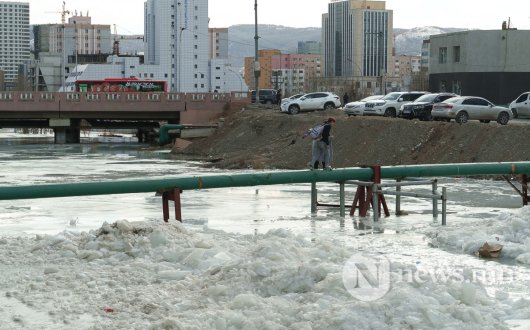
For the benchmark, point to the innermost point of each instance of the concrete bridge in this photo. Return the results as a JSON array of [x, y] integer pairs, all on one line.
[[66, 113]]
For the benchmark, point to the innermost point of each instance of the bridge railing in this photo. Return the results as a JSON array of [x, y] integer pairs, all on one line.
[[113, 96], [50, 102]]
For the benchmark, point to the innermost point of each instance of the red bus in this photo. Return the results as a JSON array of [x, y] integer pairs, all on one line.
[[121, 85]]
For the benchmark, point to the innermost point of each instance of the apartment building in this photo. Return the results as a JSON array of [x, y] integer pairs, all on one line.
[[357, 39], [293, 73], [14, 40]]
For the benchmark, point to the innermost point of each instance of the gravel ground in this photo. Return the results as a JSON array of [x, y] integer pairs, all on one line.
[[267, 139]]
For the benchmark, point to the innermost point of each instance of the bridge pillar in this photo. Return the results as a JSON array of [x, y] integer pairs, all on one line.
[[66, 131]]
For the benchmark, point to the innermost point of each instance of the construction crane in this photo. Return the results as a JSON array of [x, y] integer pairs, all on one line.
[[63, 13], [116, 45]]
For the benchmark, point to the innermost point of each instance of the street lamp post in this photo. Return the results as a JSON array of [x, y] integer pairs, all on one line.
[[239, 76], [63, 64]]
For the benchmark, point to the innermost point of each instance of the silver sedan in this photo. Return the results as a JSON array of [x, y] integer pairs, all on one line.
[[464, 108], [357, 108]]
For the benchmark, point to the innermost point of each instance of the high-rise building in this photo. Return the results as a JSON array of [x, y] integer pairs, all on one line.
[[357, 38], [176, 40], [309, 47], [79, 36], [218, 42], [59, 48], [2, 84], [14, 39], [177, 50]]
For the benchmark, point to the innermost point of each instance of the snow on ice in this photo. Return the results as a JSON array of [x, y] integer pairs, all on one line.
[[165, 276], [510, 230]]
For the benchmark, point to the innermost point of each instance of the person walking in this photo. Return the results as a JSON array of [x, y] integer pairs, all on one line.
[[279, 96], [321, 149], [345, 99]]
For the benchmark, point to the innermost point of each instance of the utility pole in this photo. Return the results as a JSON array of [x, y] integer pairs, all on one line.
[[382, 61], [257, 70], [63, 61]]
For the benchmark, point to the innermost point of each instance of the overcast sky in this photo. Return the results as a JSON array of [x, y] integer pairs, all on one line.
[[128, 14]]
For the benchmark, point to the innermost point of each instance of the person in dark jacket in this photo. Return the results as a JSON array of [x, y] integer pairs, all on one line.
[[322, 150], [345, 99]]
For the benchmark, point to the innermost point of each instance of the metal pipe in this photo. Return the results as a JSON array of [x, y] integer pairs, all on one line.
[[398, 197], [254, 179], [314, 197], [399, 183], [409, 194], [164, 133], [375, 199], [434, 199], [444, 206], [342, 201]]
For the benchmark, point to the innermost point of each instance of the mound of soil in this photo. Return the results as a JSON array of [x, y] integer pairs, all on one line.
[[266, 139]]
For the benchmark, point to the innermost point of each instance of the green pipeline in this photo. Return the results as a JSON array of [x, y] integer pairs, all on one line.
[[163, 138], [257, 179]]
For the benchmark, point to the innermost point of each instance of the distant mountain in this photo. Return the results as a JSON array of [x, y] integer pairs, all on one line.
[[408, 42], [241, 39]]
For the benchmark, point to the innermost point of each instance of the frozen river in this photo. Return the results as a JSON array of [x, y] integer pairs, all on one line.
[[245, 257]]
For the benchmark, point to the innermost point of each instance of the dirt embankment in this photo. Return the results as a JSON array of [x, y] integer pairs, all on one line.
[[269, 139]]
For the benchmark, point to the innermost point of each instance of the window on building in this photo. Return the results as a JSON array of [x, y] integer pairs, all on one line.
[[442, 55], [457, 87], [443, 86], [152, 75], [456, 54]]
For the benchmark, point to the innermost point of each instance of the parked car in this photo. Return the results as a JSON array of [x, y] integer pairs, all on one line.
[[312, 101], [357, 108], [521, 106], [421, 108], [389, 105], [266, 96], [296, 96], [464, 108]]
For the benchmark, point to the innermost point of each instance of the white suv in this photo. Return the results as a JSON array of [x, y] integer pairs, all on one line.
[[311, 101], [389, 105]]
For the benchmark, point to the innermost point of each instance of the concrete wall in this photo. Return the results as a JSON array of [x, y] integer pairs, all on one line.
[[482, 51], [493, 64]]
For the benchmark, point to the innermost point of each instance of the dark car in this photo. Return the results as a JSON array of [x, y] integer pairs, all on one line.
[[421, 107], [266, 96]]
